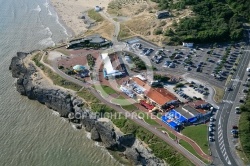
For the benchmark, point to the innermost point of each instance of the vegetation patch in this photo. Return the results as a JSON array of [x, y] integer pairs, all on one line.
[[244, 131], [95, 15], [105, 90], [217, 21], [219, 93], [147, 118], [160, 148], [124, 103], [57, 80], [171, 135], [191, 150], [91, 61], [199, 134], [124, 32]]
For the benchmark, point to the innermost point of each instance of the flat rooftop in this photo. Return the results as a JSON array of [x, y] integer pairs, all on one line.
[[191, 109], [160, 95], [141, 83], [184, 113]]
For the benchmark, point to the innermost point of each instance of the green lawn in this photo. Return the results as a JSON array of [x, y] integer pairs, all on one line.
[[159, 115], [191, 150], [147, 118], [105, 90], [125, 104], [199, 134]]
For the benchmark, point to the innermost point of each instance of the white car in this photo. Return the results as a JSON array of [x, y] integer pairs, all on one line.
[[211, 119], [237, 110]]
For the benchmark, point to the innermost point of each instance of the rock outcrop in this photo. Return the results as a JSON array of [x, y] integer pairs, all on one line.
[[71, 107]]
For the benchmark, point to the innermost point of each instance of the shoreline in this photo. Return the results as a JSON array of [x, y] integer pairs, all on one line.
[[31, 83], [71, 11], [69, 30]]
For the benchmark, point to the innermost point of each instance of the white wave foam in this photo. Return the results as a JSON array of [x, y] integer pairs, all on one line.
[[48, 31], [64, 120], [73, 126], [88, 135], [38, 9], [64, 29], [97, 144], [47, 42], [46, 4], [55, 113]]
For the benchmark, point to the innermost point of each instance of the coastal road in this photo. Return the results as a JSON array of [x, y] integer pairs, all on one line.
[[225, 117], [140, 122]]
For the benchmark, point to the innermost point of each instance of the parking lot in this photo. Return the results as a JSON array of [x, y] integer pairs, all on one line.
[[212, 64]]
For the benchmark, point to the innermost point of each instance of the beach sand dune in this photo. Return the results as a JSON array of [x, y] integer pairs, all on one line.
[[70, 12]]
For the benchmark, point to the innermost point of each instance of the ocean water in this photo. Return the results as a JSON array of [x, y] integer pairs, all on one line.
[[31, 134]]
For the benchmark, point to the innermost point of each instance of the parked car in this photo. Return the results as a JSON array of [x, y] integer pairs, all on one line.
[[211, 119], [237, 110], [211, 139]]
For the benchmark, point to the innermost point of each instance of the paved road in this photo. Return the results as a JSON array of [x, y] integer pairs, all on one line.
[[223, 138]]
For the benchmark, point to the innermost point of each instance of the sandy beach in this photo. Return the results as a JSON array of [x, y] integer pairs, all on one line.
[[70, 12]]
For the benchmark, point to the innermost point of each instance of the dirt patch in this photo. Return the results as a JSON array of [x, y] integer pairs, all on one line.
[[137, 18], [105, 29]]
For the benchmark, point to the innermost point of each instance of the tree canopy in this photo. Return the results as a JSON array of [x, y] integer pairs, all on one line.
[[214, 20]]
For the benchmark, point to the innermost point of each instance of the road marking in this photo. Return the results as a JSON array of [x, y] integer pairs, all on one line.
[[220, 138], [220, 131], [221, 142], [225, 153], [220, 134], [228, 101]]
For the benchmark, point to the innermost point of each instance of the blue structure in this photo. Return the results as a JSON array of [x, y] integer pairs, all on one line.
[[174, 119]]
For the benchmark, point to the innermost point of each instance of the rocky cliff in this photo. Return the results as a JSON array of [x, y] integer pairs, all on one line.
[[69, 106]]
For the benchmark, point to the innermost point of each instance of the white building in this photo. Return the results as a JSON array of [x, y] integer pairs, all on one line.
[[190, 45], [108, 67]]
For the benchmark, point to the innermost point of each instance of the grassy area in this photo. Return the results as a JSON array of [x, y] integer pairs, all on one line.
[[147, 118], [124, 32], [125, 104], [219, 93], [228, 79], [86, 95], [171, 135], [57, 80], [159, 115], [244, 124], [199, 134], [191, 150], [160, 148], [105, 90], [95, 15]]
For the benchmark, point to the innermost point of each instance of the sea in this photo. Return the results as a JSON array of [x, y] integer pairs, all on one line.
[[30, 133]]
